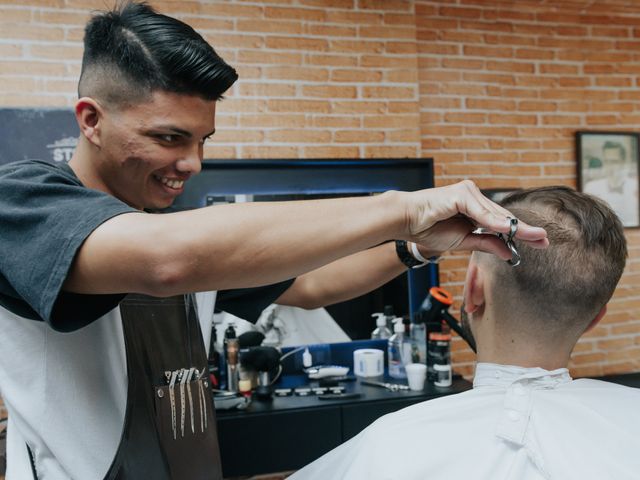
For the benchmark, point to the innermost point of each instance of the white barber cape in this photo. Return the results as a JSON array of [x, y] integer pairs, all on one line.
[[517, 423]]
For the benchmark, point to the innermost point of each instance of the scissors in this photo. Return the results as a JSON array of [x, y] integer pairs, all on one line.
[[392, 387], [514, 261]]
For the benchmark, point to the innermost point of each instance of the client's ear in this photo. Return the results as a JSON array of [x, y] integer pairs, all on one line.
[[473, 288], [597, 318]]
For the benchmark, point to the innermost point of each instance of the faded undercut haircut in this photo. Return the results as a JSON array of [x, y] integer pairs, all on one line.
[[132, 51], [557, 291]]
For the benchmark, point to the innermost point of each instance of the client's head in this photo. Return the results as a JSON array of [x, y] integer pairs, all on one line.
[[533, 314]]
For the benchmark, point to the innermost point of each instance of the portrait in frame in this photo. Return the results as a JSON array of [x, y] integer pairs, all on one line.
[[607, 167]]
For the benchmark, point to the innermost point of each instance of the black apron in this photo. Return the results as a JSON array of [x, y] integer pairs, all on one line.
[[166, 435]]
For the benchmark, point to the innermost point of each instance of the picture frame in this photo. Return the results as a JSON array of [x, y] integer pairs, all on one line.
[[608, 167]]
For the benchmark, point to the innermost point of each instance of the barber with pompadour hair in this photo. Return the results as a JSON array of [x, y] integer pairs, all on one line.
[[101, 354]]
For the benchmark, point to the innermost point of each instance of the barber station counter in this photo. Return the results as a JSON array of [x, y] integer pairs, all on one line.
[[290, 432]]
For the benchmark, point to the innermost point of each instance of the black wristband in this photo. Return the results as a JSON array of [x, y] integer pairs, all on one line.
[[405, 256]]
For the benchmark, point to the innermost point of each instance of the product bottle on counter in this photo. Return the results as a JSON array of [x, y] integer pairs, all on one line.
[[381, 331], [395, 351], [389, 317], [418, 340], [439, 359], [213, 360], [231, 349]]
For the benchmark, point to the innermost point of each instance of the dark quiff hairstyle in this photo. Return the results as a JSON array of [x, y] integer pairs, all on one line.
[[132, 51], [560, 289]]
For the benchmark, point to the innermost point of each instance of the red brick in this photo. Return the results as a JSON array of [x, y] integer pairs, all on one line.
[[438, 49], [481, 51], [513, 40], [300, 14], [358, 136], [489, 78], [226, 135], [10, 50], [388, 92], [401, 47], [200, 23], [297, 73], [489, 26], [272, 26], [261, 57], [441, 102], [385, 61], [358, 107], [491, 131], [387, 32], [332, 60], [329, 3], [266, 89], [613, 82], [267, 151], [465, 118], [232, 10], [402, 107], [490, 104], [12, 31], [297, 43], [270, 120], [329, 30], [395, 151], [334, 122], [610, 32], [352, 75], [601, 119], [353, 17], [32, 68], [462, 63], [356, 46], [537, 106], [534, 54], [306, 106], [460, 12], [391, 5], [461, 37], [331, 152], [298, 136], [328, 91], [400, 19], [505, 119], [401, 75], [390, 121]]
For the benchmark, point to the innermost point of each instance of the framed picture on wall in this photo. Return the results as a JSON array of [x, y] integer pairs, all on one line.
[[608, 164]]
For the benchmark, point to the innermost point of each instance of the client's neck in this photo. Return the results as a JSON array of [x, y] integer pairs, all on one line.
[[510, 350]]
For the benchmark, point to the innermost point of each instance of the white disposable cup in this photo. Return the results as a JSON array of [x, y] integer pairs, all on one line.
[[416, 375]]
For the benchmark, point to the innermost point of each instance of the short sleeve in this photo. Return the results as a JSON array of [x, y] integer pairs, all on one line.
[[248, 303], [45, 216]]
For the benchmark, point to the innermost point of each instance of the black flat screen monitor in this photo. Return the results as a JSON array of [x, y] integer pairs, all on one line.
[[225, 181]]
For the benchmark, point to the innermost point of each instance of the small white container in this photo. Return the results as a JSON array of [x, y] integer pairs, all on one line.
[[416, 375]]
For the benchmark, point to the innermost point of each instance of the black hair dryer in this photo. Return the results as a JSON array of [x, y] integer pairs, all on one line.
[[436, 308]]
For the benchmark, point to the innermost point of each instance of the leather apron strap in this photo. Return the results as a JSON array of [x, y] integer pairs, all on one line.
[[169, 433]]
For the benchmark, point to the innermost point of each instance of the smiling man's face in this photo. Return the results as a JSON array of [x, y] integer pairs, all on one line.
[[149, 150]]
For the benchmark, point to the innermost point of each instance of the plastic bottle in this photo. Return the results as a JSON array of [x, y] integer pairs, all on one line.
[[213, 360], [439, 359], [406, 341], [381, 331], [395, 351], [231, 355], [418, 340], [389, 317]]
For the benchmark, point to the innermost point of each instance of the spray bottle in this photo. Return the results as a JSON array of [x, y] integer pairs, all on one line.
[[395, 351], [381, 331]]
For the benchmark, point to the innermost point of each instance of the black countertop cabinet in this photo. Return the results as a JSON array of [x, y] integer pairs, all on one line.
[[290, 432]]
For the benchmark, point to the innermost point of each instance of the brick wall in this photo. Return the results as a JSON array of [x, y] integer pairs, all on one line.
[[492, 91], [503, 87]]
